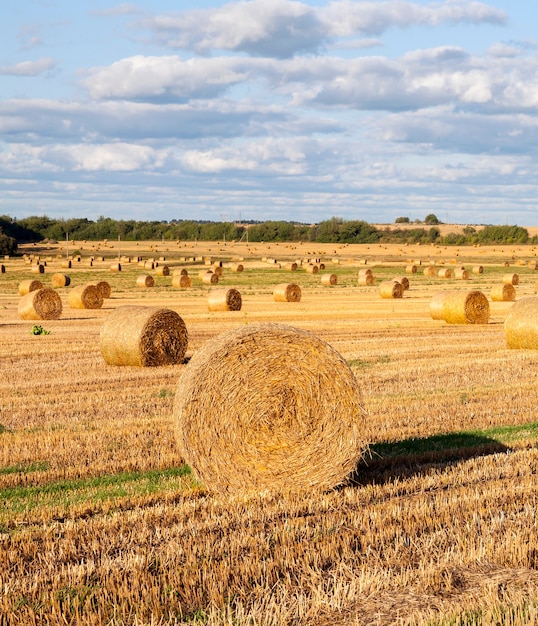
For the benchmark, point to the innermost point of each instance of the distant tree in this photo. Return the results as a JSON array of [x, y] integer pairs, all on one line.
[[402, 220], [431, 219], [8, 245]]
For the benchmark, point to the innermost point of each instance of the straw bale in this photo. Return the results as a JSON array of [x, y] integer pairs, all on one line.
[[181, 272], [85, 297], [209, 278], [224, 300], [66, 264], [329, 279], [511, 279], [436, 305], [60, 280], [287, 292], [145, 281], [365, 272], [237, 267], [217, 269], [143, 336], [162, 270], [38, 269], [521, 324], [366, 279], [503, 293], [391, 289], [270, 408], [430, 270], [291, 267], [403, 280], [506, 264], [321, 266], [104, 287], [478, 269], [115, 267], [411, 269], [444, 272], [181, 281], [461, 274], [465, 307], [40, 304], [533, 265], [2, 269], [25, 286], [312, 269]]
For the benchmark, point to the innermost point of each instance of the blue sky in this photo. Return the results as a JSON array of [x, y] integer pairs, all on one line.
[[270, 109]]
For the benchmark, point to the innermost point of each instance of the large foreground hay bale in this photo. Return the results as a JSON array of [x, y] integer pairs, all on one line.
[[143, 336], [269, 407], [521, 324], [224, 300], [85, 297], [391, 289], [40, 304], [436, 305], [503, 293], [60, 280], [465, 307], [287, 292], [25, 286], [145, 281]]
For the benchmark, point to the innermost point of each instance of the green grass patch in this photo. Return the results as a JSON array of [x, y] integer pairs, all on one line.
[[38, 466]]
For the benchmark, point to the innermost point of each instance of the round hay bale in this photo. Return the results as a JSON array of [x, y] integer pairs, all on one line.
[[366, 279], [461, 274], [104, 287], [291, 267], [217, 269], [465, 307], [511, 279], [312, 269], [115, 267], [85, 297], [143, 336], [181, 272], [25, 286], [287, 292], [503, 293], [478, 269], [365, 272], [237, 267], [329, 279], [436, 305], [2, 269], [444, 272], [224, 300], [145, 281], [506, 264], [162, 270], [38, 269], [40, 304], [60, 280], [391, 289], [181, 281], [66, 264], [403, 280], [521, 324], [430, 270], [209, 278], [321, 266], [411, 269], [268, 407]]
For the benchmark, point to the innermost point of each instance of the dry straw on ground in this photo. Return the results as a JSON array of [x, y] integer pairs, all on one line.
[[145, 281], [224, 300], [40, 304], [391, 289], [465, 307], [521, 324], [287, 292], [85, 297], [60, 280], [269, 407], [143, 336], [181, 281], [329, 279], [25, 286], [503, 293]]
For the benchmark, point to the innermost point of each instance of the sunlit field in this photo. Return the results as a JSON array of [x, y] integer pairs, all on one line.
[[102, 523]]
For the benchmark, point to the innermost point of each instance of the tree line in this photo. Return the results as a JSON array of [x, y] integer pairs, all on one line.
[[335, 230]]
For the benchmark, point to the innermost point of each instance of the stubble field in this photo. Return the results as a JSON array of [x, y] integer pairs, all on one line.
[[101, 522]]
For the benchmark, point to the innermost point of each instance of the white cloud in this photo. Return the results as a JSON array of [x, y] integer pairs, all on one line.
[[28, 68]]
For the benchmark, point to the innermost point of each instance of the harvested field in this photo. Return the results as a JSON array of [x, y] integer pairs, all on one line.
[[102, 523]]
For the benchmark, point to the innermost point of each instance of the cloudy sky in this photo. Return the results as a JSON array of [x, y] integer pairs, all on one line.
[[270, 109]]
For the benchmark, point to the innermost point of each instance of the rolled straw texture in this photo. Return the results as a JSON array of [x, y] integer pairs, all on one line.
[[411, 269], [436, 305], [66, 264], [25, 286], [312, 269], [224, 300], [366, 279], [37, 269], [291, 267], [268, 407], [365, 272], [162, 270], [181, 281], [403, 280], [478, 269], [143, 336], [329, 279], [287, 292], [511, 279], [104, 287], [210, 278], [465, 307], [429, 270], [85, 297], [391, 289], [40, 304], [115, 267], [145, 281], [503, 293], [461, 274], [444, 272], [60, 280], [521, 324], [237, 267]]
